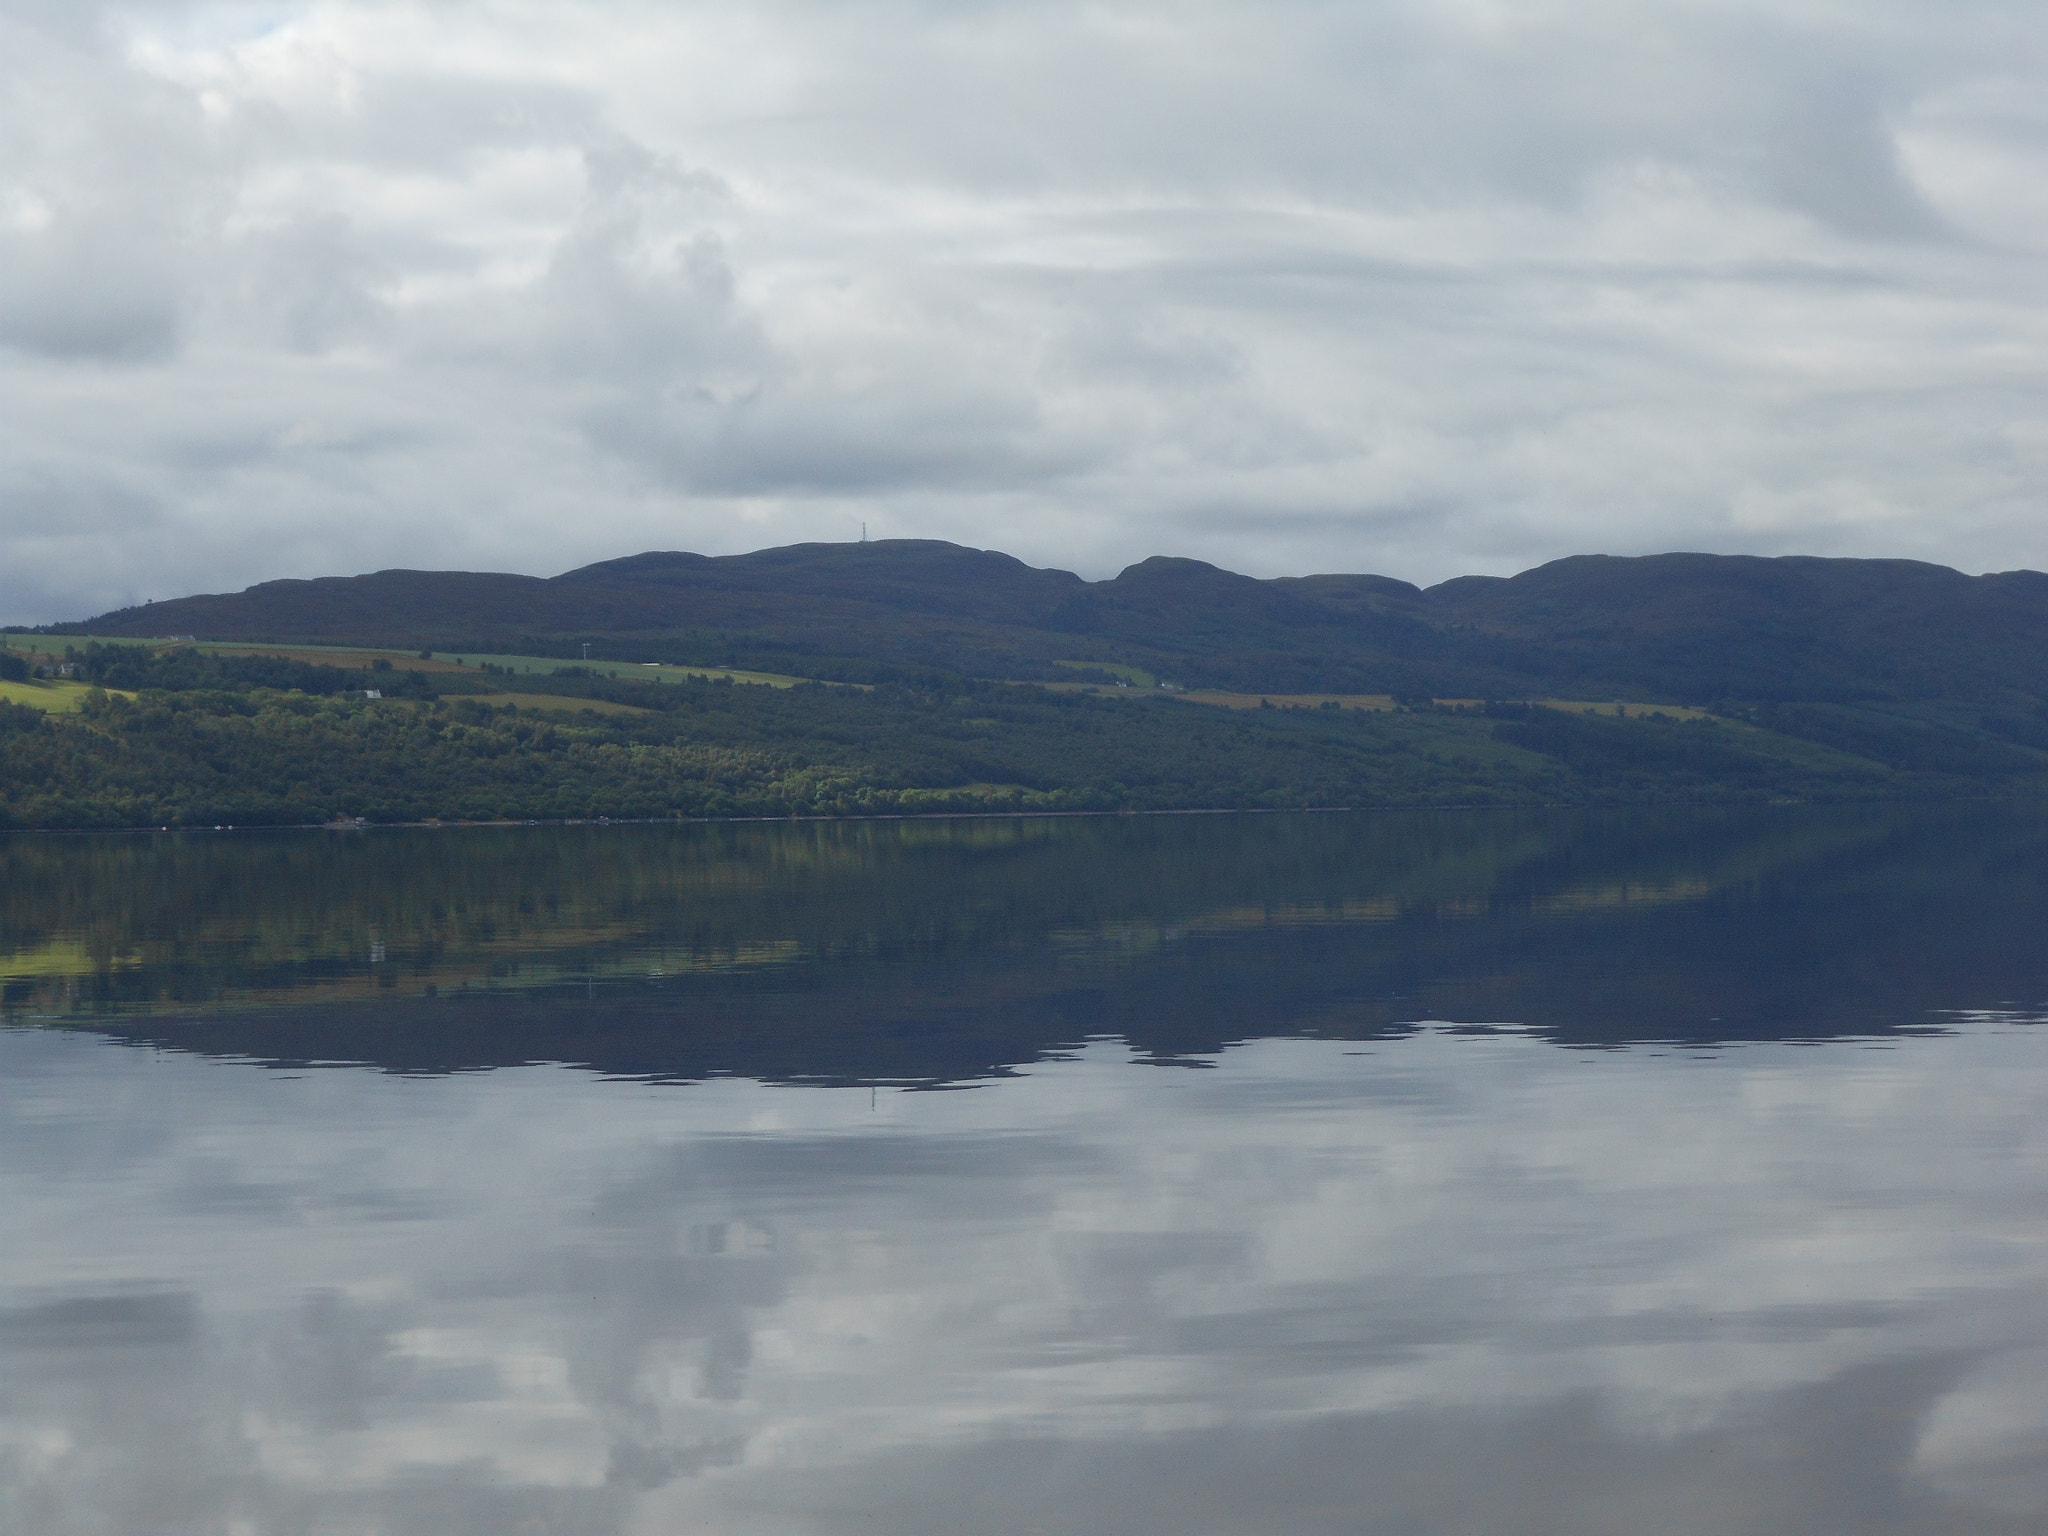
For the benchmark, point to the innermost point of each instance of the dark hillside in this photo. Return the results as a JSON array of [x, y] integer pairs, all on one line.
[[820, 609], [898, 575], [1790, 628], [343, 609], [1681, 628]]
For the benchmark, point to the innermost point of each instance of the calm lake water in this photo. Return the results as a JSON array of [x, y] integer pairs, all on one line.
[[1672, 1172]]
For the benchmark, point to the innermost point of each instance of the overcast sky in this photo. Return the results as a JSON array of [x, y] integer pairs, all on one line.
[[1419, 288]]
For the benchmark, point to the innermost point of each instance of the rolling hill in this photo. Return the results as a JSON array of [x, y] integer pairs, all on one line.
[[1677, 628], [1806, 680]]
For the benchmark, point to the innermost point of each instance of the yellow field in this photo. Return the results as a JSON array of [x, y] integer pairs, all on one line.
[[59, 698]]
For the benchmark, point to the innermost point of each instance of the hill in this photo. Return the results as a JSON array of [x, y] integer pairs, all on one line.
[[1804, 679], [1679, 628]]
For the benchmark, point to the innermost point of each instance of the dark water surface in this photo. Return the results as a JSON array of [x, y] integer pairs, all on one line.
[[1682, 1172]]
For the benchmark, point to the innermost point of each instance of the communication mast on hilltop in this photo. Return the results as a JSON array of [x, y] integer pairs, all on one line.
[[863, 533]]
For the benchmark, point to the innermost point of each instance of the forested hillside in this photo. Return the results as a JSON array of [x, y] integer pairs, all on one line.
[[183, 738], [1806, 679]]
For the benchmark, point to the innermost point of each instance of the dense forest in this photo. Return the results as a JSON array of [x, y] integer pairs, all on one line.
[[180, 737]]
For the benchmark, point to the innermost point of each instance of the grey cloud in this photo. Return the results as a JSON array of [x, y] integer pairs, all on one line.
[[140, 1319], [642, 307], [105, 185], [63, 501], [787, 440], [1831, 153], [434, 123], [1365, 101], [70, 295], [673, 321], [312, 283]]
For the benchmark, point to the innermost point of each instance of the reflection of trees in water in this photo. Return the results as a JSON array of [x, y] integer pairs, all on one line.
[[1009, 936]]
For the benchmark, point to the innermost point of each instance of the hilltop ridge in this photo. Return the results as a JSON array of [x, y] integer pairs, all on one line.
[[1685, 628]]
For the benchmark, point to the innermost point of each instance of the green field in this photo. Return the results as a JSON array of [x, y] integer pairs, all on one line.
[[56, 645]]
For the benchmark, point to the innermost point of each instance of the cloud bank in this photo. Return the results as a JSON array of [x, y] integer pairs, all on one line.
[[1422, 288]]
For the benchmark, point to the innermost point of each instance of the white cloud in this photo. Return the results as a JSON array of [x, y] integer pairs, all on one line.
[[1420, 287]]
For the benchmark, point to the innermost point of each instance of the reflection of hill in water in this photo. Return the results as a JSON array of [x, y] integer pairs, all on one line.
[[945, 950]]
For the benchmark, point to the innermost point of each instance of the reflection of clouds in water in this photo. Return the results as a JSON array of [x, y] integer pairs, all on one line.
[[1824, 1458], [1450, 1281], [1989, 1439]]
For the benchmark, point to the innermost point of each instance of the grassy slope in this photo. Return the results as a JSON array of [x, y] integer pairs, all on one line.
[[50, 697]]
